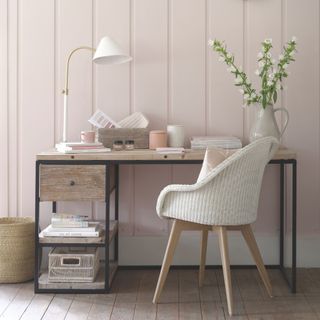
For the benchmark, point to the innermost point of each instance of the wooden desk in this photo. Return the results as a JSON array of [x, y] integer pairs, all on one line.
[[94, 177]]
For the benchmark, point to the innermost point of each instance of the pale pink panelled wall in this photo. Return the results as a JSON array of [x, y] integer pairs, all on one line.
[[174, 78]]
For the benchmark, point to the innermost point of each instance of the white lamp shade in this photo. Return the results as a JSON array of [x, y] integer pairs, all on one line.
[[109, 52]]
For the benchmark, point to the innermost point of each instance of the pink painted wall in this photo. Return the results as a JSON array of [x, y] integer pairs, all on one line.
[[174, 78]]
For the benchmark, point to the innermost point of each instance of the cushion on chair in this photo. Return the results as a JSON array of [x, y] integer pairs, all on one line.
[[212, 158]]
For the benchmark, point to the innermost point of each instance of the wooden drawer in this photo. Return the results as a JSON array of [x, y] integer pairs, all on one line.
[[72, 182]]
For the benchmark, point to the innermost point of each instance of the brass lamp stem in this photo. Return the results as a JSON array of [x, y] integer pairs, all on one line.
[[66, 92], [66, 88]]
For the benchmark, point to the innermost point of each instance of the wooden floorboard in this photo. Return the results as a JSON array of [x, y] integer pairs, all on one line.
[[58, 308], [132, 292], [7, 293], [20, 303], [79, 310], [37, 307]]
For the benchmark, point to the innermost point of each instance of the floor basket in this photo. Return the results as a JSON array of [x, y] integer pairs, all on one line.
[[16, 249]]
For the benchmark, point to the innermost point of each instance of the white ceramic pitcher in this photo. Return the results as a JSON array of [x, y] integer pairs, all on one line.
[[265, 123]]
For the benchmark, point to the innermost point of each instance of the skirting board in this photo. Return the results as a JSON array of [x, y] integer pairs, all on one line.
[[149, 250]]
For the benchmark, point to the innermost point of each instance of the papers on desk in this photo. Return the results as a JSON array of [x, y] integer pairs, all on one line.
[[170, 150], [216, 141], [80, 147]]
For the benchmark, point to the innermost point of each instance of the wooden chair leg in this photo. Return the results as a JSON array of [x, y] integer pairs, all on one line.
[[224, 251], [171, 246], [203, 254], [252, 244]]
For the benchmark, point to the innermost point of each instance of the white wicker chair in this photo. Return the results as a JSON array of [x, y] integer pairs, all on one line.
[[227, 199]]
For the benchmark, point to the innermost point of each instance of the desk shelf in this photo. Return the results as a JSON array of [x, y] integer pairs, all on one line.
[[90, 181], [98, 284]]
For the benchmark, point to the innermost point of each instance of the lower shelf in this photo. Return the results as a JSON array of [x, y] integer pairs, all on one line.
[[97, 284]]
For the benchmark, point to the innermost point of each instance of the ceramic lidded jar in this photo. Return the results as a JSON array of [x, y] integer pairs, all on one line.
[[157, 139]]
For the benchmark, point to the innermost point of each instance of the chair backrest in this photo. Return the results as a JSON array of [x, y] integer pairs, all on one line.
[[233, 187]]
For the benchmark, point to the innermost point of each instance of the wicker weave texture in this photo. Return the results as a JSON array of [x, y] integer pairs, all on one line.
[[16, 249], [229, 195]]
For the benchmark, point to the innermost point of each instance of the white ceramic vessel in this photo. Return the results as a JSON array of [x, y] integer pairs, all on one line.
[[176, 136], [265, 123]]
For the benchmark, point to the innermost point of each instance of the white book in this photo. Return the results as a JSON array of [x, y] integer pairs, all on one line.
[[170, 150], [92, 226], [70, 217], [71, 224], [71, 151], [69, 220], [78, 144], [214, 138], [47, 232]]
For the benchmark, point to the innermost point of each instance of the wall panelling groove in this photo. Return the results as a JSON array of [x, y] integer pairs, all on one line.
[[4, 163]]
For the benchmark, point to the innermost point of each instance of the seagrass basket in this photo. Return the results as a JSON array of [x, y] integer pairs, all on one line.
[[16, 249]]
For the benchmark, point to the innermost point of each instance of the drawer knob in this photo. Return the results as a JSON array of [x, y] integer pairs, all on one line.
[[72, 183]]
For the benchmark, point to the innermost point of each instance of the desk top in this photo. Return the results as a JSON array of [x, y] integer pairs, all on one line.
[[145, 155]]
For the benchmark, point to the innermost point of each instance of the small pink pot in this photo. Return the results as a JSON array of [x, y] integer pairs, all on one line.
[[157, 139]]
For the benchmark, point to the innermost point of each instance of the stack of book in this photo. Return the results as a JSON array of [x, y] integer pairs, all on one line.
[[67, 225], [170, 150], [81, 147], [215, 141]]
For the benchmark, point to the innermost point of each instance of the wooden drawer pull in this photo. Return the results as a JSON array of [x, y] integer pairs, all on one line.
[[72, 183]]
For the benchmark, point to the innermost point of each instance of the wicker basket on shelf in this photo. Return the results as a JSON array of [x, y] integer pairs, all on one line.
[[16, 249]]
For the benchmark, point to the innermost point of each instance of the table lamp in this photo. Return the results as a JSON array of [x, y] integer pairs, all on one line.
[[107, 52]]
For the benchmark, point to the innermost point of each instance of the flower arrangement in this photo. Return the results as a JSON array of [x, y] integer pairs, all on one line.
[[271, 72]]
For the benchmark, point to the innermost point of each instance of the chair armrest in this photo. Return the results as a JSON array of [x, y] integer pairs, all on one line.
[[172, 188]]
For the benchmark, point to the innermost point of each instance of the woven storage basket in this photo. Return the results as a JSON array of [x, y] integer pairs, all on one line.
[[73, 264], [16, 249]]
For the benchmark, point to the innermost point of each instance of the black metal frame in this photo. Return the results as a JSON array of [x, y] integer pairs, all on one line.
[[116, 163], [105, 245]]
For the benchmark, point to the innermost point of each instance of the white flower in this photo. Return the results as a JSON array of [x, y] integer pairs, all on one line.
[[260, 55], [210, 43], [261, 64], [246, 96], [237, 80], [232, 69], [268, 41], [294, 39], [269, 55], [257, 72], [221, 58], [229, 56], [281, 56], [241, 91], [253, 95], [269, 83], [291, 53], [285, 66], [271, 76]]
